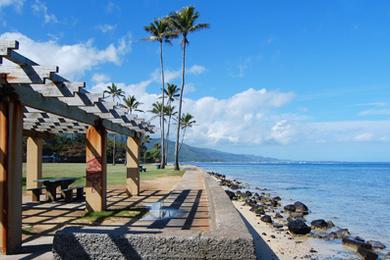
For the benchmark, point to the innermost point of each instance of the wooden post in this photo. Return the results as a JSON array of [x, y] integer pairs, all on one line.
[[96, 168], [11, 135], [34, 163], [132, 165]]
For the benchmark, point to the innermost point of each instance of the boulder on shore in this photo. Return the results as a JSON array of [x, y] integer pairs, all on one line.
[[353, 242], [376, 244], [232, 195], [298, 226], [300, 207], [340, 233], [290, 207], [367, 254], [266, 219], [319, 224]]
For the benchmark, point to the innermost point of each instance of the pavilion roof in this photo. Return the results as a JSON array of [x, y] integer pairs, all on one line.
[[55, 105]]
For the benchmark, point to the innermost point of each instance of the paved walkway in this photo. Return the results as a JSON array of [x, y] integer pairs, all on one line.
[[185, 208]]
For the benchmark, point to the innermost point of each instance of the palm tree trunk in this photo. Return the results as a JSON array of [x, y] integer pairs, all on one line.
[[167, 139], [177, 167], [182, 138], [162, 163]]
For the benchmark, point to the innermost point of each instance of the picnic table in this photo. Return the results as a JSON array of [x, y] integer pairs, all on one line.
[[51, 185]]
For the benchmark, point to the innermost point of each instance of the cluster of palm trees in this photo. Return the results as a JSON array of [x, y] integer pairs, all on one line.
[[163, 30]]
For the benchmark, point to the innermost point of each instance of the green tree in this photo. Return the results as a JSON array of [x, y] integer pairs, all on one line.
[[170, 112], [132, 104], [115, 92], [160, 31], [172, 93], [183, 23], [187, 121]]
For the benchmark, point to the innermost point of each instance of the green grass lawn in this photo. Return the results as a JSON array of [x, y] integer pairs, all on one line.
[[115, 174]]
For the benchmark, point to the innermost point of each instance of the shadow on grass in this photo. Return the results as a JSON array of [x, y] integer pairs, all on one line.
[[96, 218]]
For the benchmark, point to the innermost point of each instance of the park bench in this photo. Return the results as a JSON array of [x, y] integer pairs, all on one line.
[[36, 193], [68, 193]]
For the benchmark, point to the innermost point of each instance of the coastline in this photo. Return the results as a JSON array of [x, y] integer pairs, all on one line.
[[269, 224]]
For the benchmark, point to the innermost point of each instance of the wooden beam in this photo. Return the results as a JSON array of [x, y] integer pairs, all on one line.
[[6, 45], [11, 112], [63, 89], [36, 134], [28, 74], [132, 166], [96, 174], [33, 164]]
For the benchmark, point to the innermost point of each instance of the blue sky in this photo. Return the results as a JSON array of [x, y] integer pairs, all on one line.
[[306, 80]]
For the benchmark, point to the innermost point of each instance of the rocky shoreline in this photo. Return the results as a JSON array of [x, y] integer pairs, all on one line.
[[290, 219]]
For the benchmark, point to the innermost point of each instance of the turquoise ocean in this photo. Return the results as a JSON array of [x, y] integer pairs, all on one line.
[[353, 195]]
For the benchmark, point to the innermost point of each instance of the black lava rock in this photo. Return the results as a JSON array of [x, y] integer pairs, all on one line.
[[290, 208], [266, 219], [231, 194], [367, 254], [298, 226], [300, 207], [319, 223], [376, 244]]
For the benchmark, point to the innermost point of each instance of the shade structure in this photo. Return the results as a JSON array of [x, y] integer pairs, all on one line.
[[37, 100]]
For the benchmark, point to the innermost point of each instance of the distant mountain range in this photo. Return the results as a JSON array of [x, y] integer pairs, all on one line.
[[195, 154]]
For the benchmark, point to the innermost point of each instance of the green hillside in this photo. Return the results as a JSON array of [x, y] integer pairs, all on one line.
[[195, 154]]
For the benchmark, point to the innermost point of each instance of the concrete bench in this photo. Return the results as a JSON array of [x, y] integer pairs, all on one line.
[[68, 193], [227, 238], [36, 193]]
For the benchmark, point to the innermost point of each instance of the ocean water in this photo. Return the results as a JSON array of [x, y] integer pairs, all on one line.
[[353, 195]]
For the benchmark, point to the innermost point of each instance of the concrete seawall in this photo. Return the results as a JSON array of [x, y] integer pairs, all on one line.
[[226, 238]]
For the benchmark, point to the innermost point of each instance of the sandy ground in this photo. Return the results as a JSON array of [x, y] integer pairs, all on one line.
[[162, 183], [274, 244]]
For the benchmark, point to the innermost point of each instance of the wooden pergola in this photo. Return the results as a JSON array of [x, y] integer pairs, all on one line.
[[36, 101]]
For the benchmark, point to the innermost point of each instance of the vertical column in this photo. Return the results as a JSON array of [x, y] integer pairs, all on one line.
[[11, 135], [34, 164], [95, 192], [132, 165]]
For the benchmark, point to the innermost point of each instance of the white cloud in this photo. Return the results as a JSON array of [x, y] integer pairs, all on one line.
[[105, 28], [375, 112], [196, 69], [73, 59], [17, 4], [365, 137], [100, 77], [282, 132], [345, 131], [252, 117], [40, 8]]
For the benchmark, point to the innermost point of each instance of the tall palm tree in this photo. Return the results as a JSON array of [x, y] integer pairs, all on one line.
[[184, 23], [170, 112], [160, 31], [172, 92], [115, 92], [187, 121], [132, 104], [156, 110]]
